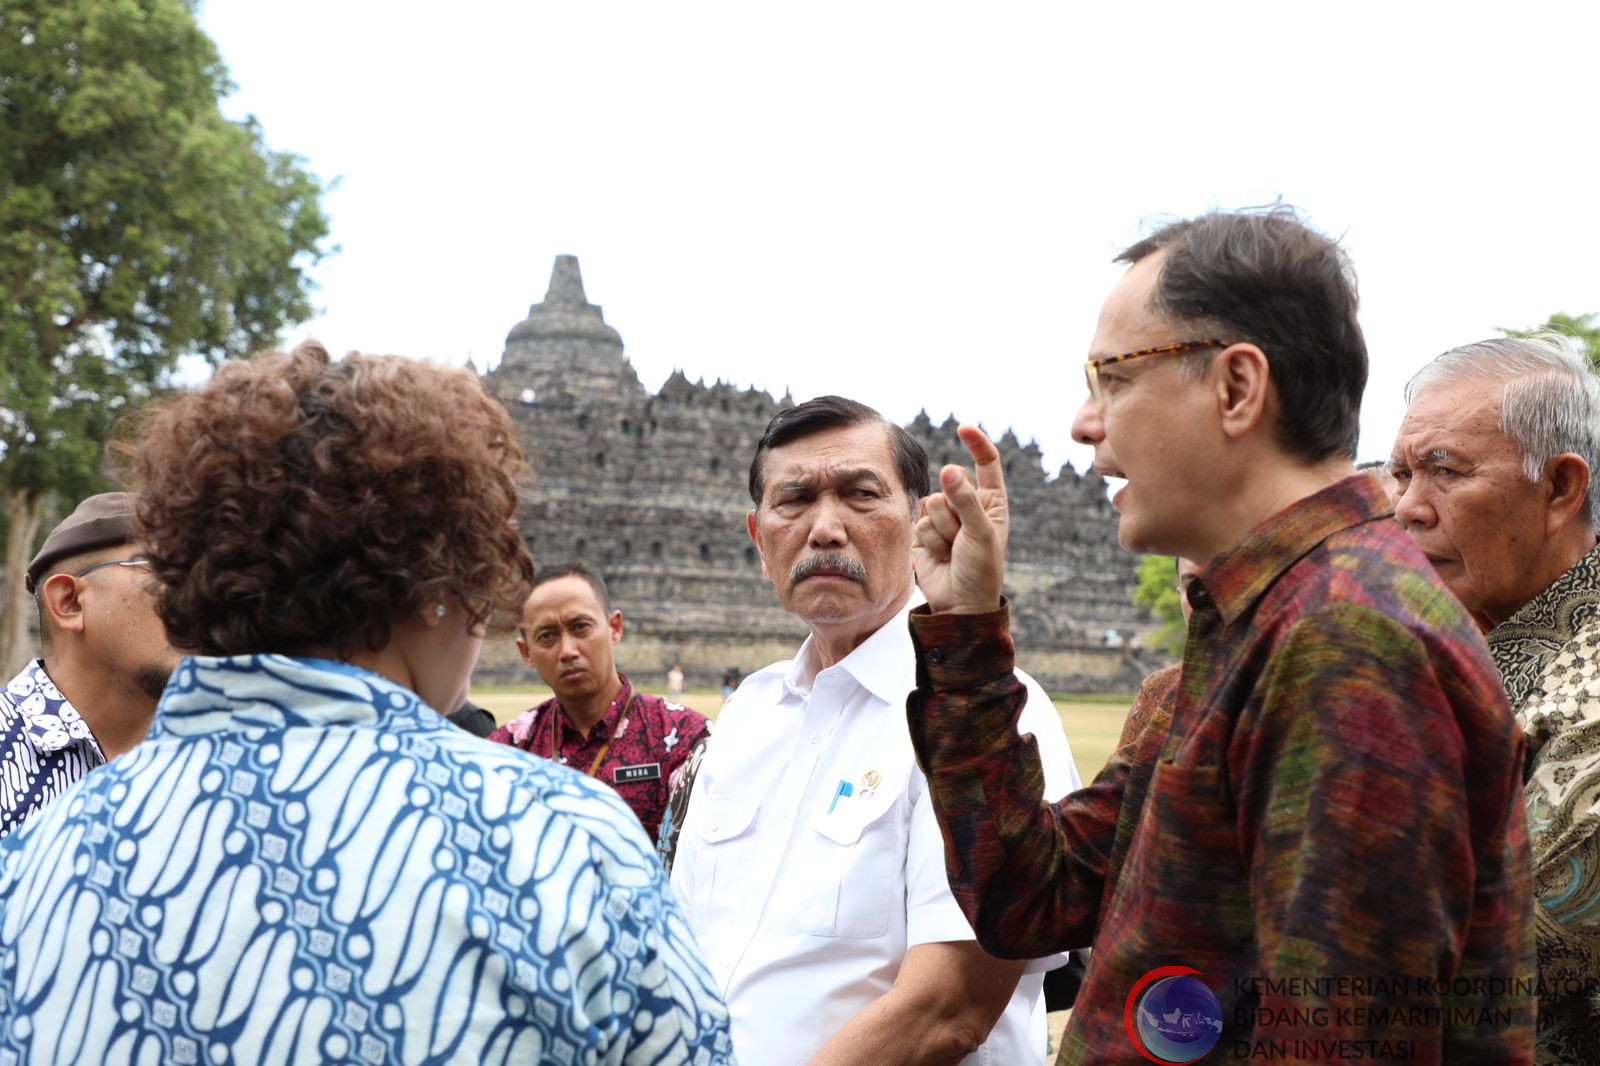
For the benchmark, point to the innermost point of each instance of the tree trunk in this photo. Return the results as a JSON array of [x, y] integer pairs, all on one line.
[[25, 509]]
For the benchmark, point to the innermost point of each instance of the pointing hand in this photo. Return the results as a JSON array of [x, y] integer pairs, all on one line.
[[959, 542]]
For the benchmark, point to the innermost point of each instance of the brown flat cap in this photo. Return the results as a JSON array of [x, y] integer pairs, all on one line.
[[98, 522]]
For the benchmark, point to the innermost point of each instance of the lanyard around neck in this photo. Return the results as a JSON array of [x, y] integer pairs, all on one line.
[[555, 733]]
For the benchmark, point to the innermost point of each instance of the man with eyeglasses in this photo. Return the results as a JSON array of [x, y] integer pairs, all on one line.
[[1323, 856], [92, 695]]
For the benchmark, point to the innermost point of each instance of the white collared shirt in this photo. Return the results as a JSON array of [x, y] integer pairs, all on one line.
[[811, 859]]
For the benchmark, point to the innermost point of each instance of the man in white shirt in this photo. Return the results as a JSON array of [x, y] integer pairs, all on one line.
[[810, 862]]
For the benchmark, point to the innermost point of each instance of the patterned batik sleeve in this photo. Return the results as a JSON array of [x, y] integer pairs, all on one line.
[[1564, 818], [1368, 830], [679, 788], [678, 1016], [1563, 794], [643, 955], [688, 729], [1028, 874]]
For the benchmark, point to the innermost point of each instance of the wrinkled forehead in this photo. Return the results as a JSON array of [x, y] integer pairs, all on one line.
[[832, 458], [1459, 419]]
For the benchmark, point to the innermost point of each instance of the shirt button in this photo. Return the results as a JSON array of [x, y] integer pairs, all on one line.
[[816, 738]]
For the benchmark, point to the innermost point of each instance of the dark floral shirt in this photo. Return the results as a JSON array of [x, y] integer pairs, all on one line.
[[45, 745], [650, 738], [1331, 831]]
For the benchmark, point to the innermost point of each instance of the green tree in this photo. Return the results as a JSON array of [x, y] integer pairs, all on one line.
[[1158, 590], [137, 226], [1584, 330]]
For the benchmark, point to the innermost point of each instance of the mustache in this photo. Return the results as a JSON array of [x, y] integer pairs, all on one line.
[[833, 562]]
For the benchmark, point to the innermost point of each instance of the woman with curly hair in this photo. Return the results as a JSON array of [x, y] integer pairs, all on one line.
[[304, 862]]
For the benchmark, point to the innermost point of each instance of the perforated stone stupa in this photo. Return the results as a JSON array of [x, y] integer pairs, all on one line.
[[650, 488]]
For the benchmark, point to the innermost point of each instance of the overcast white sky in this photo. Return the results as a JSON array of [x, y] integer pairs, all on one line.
[[916, 203]]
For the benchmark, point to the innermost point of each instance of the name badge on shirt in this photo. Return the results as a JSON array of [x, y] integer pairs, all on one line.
[[645, 771]]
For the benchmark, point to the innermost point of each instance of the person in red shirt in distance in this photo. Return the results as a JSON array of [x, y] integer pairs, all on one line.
[[596, 722]]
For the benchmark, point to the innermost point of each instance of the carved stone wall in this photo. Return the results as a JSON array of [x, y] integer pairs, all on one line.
[[650, 488]]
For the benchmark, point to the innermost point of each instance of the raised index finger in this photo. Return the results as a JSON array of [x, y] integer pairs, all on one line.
[[985, 458]]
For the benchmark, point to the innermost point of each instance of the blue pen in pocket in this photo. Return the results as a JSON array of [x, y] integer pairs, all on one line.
[[845, 789]]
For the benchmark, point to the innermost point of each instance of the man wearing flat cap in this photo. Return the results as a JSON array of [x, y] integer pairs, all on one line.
[[106, 659]]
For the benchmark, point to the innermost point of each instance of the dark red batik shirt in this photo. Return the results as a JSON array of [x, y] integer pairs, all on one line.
[[649, 739], [1331, 831]]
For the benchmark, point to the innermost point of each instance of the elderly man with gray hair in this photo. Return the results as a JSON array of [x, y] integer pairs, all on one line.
[[1493, 466]]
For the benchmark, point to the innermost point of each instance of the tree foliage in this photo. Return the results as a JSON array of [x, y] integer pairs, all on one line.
[[137, 226], [1582, 330], [1158, 590]]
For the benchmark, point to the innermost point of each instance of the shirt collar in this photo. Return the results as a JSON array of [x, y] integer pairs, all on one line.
[[237, 692], [606, 723], [878, 664], [1241, 575], [49, 720], [1577, 582]]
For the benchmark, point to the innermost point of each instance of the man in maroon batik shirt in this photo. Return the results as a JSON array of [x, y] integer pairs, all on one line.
[[597, 723], [1328, 840]]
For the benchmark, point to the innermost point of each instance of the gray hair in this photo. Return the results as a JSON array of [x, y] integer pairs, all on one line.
[[1549, 404]]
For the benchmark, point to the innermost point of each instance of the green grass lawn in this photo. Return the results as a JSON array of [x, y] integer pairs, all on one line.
[[1092, 725], [1092, 730]]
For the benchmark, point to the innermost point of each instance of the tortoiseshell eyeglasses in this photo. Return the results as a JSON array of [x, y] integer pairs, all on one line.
[[1091, 369]]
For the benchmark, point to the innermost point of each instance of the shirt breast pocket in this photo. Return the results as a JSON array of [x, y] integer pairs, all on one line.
[[725, 827], [859, 873]]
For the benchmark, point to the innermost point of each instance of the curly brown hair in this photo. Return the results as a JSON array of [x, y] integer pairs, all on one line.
[[295, 503]]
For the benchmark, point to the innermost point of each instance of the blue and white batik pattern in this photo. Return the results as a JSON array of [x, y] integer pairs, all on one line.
[[305, 864], [45, 745]]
